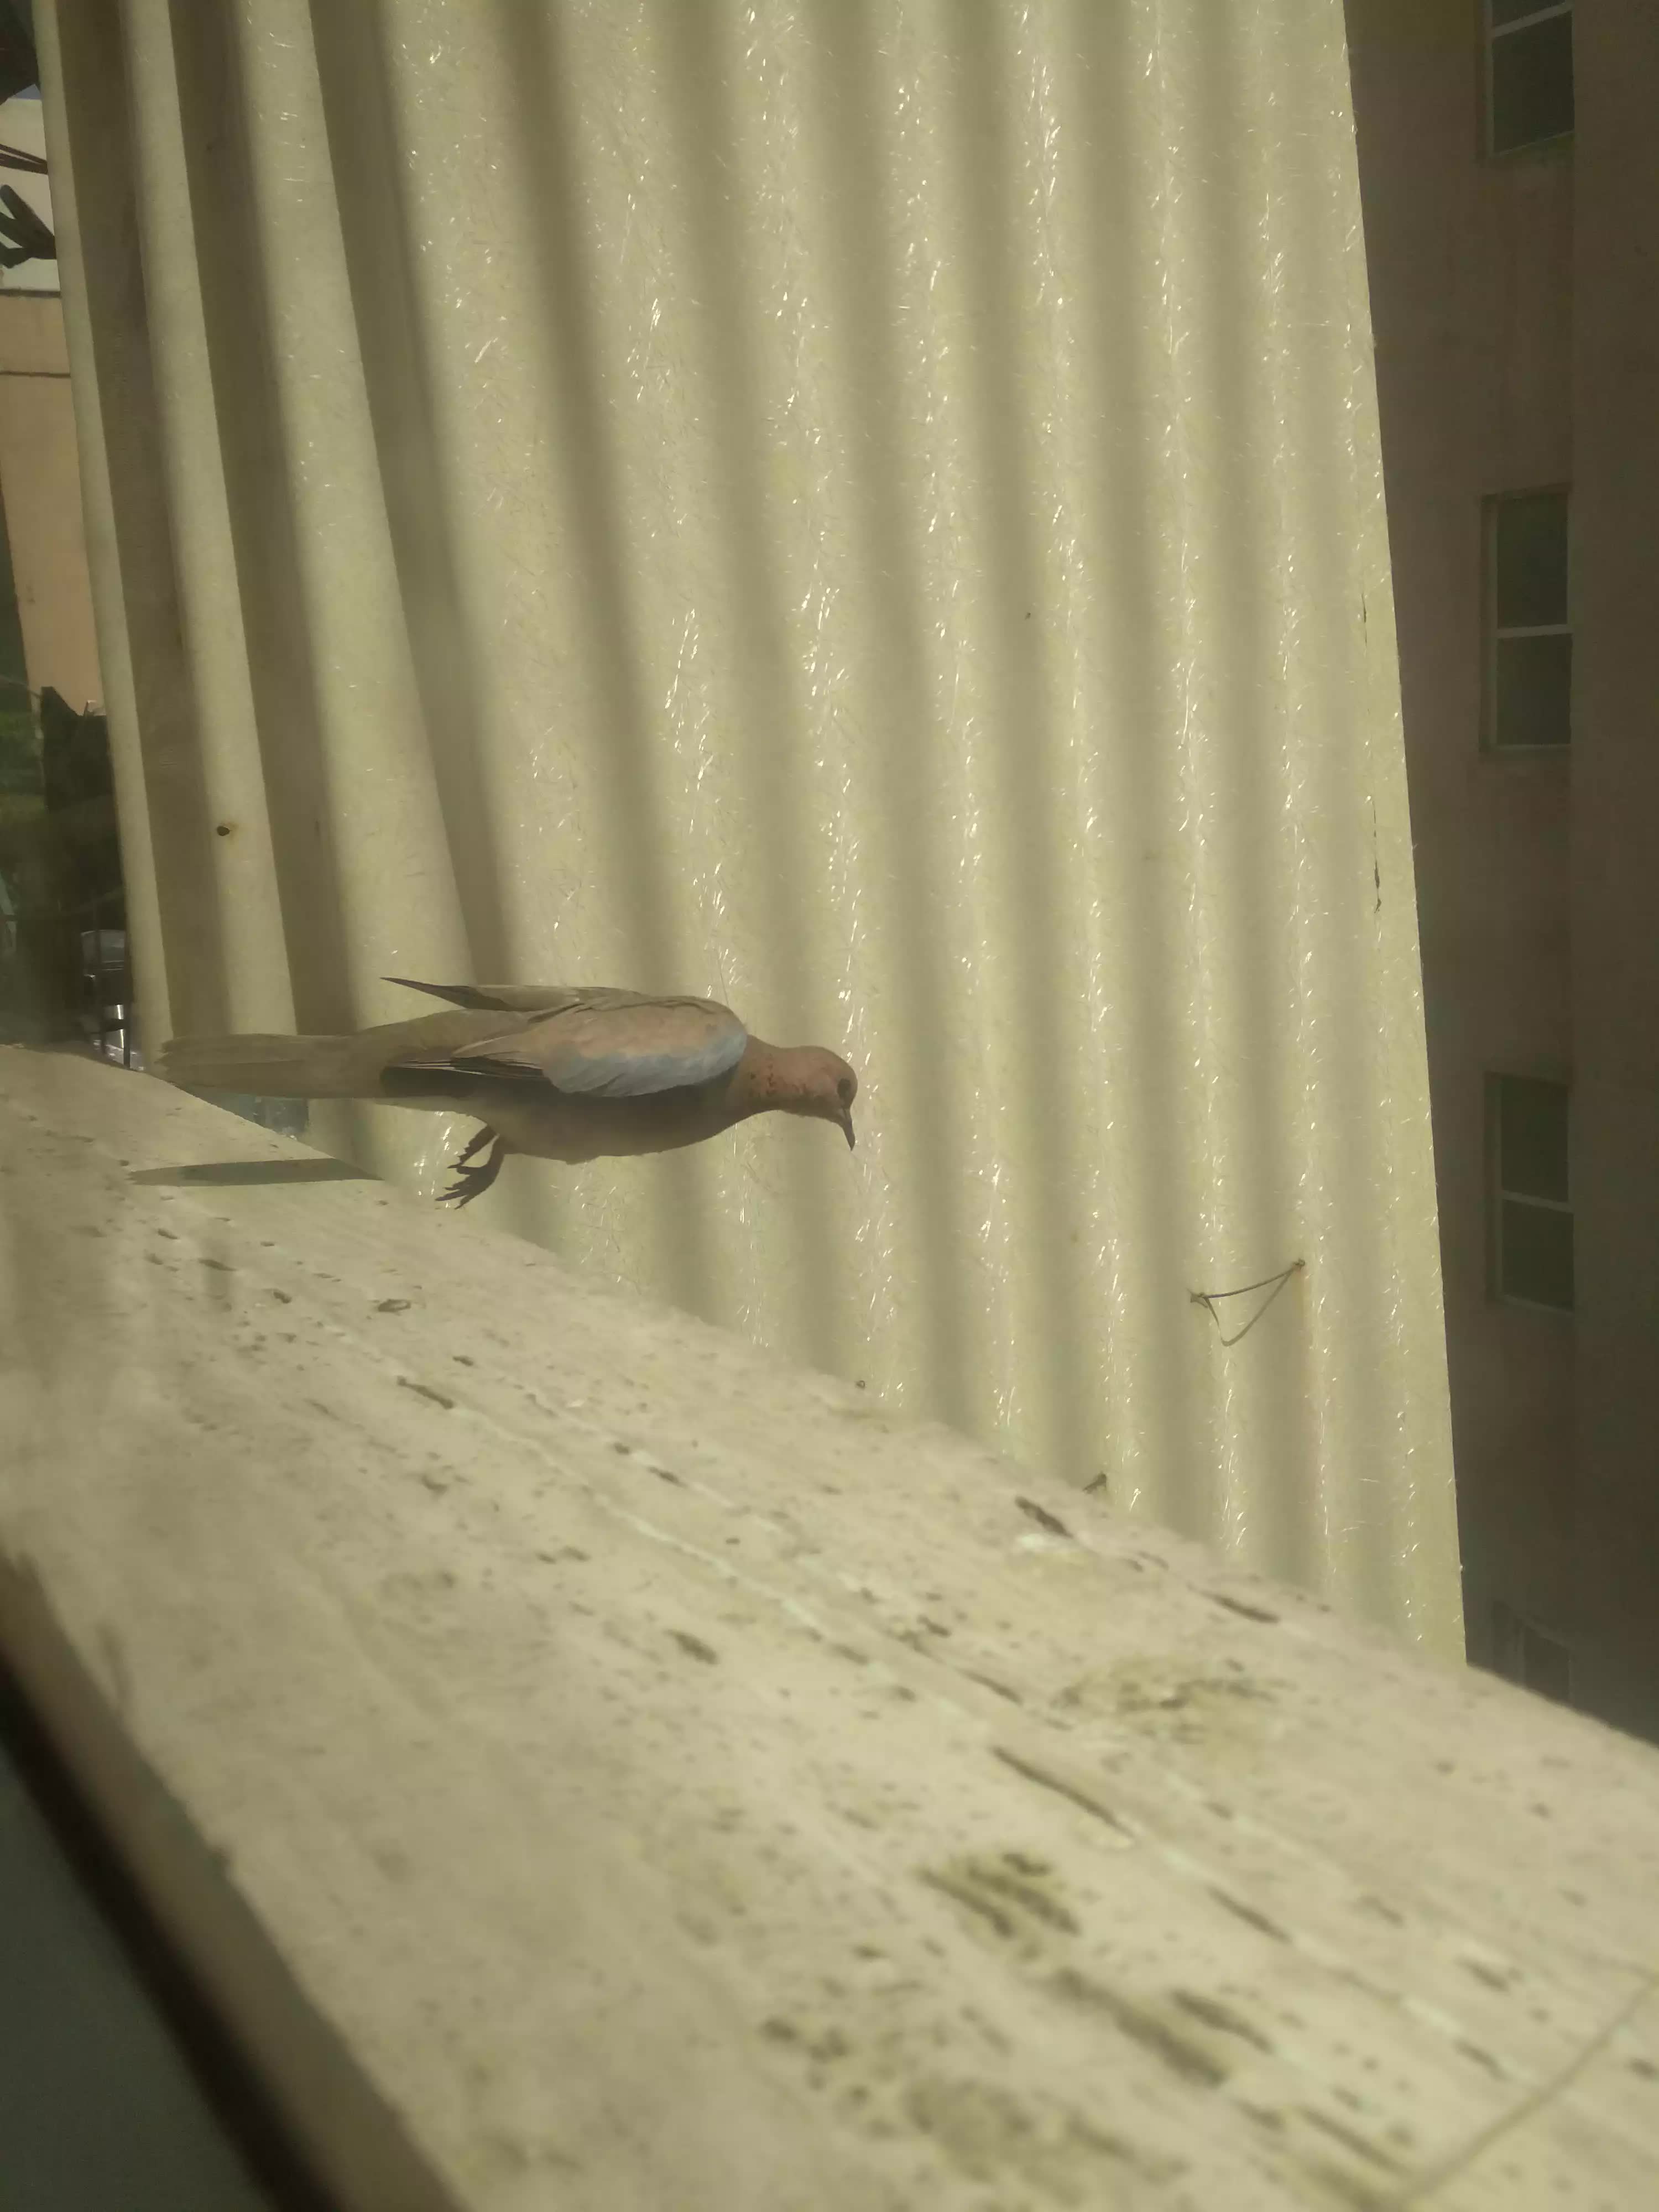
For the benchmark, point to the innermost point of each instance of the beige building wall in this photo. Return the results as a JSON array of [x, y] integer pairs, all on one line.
[[40, 481], [1514, 305], [1615, 858]]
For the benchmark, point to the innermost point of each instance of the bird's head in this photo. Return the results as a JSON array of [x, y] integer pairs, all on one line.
[[805, 1078]]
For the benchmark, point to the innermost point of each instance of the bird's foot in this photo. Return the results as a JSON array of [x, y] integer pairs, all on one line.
[[472, 1181]]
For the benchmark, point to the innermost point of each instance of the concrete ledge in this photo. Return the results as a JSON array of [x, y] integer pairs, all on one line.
[[594, 1766]]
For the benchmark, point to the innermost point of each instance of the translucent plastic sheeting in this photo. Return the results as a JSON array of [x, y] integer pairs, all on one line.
[[870, 511]]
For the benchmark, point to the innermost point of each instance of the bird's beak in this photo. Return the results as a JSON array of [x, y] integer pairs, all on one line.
[[845, 1117]]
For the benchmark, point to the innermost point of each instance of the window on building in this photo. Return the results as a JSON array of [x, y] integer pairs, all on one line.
[[1531, 1207], [1529, 73], [19, 748], [1526, 1654], [1529, 687]]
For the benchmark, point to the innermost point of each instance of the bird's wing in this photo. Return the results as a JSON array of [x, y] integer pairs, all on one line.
[[605, 1044], [511, 998]]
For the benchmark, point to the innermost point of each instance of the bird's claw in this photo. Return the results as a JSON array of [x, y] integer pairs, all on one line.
[[472, 1181], [466, 1188]]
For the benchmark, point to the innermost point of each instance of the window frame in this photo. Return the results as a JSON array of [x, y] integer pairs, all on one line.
[[1516, 1636], [1498, 1196], [1491, 634], [1489, 33]]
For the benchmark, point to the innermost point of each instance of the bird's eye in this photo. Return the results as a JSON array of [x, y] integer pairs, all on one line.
[[844, 1091]]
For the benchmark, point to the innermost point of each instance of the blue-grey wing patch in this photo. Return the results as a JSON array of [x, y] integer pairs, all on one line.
[[628, 1047]]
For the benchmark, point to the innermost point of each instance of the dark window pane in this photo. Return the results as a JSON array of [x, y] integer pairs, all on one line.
[[1506, 1641], [1532, 84], [1531, 559], [1544, 1665], [1537, 1255], [1533, 705], [1532, 1138], [19, 751]]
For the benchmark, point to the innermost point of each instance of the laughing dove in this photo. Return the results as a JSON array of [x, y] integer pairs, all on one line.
[[561, 1074]]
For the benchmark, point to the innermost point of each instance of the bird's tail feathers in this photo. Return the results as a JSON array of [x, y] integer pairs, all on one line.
[[266, 1066]]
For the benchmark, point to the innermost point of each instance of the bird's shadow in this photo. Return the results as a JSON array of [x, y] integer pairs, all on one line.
[[254, 1171]]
